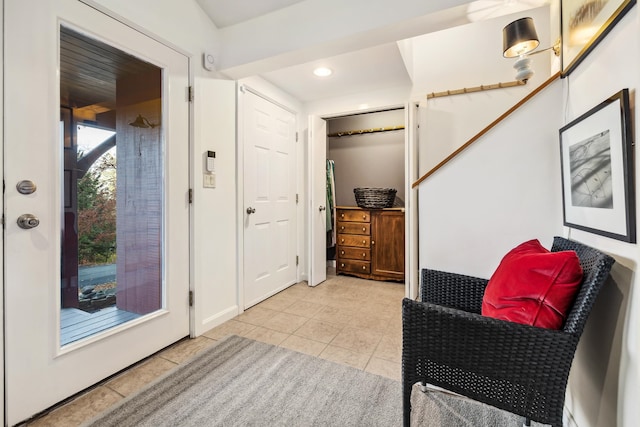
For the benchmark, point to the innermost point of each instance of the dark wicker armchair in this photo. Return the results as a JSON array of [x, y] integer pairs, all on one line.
[[519, 368]]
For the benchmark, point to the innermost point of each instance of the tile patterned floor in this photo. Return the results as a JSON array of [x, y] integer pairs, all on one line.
[[346, 320]]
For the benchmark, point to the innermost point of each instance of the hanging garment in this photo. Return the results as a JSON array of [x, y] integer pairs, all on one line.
[[330, 211]]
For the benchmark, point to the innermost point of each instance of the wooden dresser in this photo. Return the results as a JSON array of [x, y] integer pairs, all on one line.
[[370, 243]]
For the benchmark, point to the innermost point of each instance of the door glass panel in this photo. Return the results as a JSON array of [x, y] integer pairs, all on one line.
[[112, 205]]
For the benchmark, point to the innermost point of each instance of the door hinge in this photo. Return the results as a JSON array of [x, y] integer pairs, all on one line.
[[297, 200], [190, 195], [190, 93], [190, 298], [297, 260], [296, 136]]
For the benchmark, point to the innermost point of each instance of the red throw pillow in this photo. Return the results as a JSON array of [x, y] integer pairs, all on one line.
[[533, 286]]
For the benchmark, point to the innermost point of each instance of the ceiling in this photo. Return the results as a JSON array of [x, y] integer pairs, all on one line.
[[90, 68], [361, 71], [224, 13], [378, 67]]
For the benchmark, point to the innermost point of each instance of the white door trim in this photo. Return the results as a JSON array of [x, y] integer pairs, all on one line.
[[2, 414], [412, 276], [411, 196], [244, 87], [105, 10]]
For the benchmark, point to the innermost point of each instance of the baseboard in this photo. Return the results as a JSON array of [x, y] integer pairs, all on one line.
[[219, 318]]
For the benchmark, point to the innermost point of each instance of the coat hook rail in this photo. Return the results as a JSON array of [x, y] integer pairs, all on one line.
[[480, 88], [363, 131]]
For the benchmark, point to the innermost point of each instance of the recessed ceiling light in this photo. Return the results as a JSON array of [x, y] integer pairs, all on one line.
[[323, 72]]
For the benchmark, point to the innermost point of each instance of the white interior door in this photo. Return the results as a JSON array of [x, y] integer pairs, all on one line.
[[318, 200], [269, 198], [150, 119]]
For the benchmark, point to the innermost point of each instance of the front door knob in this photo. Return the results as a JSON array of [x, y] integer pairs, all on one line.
[[28, 221], [26, 187]]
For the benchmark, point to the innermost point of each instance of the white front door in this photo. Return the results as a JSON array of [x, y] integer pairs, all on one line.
[[269, 211], [318, 200], [97, 258]]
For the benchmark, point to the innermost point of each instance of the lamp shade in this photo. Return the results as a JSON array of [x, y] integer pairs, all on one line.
[[519, 38]]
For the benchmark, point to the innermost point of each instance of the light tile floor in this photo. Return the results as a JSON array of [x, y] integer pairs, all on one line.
[[346, 320]]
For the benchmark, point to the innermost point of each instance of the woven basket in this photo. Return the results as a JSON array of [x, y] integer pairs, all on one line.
[[374, 198]]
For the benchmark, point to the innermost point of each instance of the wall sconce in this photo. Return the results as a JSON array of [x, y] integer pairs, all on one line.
[[142, 122], [520, 39]]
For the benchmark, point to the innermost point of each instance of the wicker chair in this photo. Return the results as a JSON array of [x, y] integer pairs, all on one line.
[[519, 368]]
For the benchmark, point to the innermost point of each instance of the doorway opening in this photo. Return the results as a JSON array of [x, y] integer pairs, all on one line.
[[366, 195]]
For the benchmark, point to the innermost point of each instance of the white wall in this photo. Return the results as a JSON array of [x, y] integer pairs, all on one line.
[[605, 381], [367, 160], [452, 120], [499, 192]]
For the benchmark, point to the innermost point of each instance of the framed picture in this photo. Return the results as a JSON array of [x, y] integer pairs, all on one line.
[[584, 24], [596, 153]]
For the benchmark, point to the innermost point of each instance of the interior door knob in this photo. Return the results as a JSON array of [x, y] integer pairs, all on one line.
[[251, 210], [28, 221], [322, 208]]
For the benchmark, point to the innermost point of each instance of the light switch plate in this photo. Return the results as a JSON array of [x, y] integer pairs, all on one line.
[[209, 180]]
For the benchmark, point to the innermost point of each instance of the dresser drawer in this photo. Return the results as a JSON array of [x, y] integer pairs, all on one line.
[[353, 266], [354, 253], [353, 215], [354, 240], [354, 228]]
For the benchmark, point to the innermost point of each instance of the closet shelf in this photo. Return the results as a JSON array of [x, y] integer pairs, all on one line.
[[363, 131]]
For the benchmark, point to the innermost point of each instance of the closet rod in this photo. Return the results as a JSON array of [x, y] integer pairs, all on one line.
[[362, 131]]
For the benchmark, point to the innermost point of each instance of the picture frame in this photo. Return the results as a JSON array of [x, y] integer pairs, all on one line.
[[584, 24], [596, 156]]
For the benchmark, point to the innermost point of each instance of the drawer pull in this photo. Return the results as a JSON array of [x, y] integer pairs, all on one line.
[[342, 228], [363, 228], [364, 267], [341, 215], [341, 252], [342, 240], [342, 265], [364, 217], [364, 242], [373, 242], [364, 255]]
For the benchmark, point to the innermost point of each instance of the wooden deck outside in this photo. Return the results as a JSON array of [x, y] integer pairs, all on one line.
[[77, 324]]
